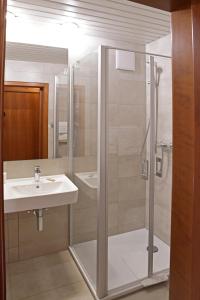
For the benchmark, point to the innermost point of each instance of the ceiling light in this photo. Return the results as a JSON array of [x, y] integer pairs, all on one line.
[[70, 25]]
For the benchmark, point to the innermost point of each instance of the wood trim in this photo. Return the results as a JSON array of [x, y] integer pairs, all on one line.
[[3, 5], [27, 84], [168, 5], [196, 209], [21, 89], [44, 90], [185, 238]]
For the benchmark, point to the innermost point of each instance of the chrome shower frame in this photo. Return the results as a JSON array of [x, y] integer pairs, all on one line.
[[101, 289]]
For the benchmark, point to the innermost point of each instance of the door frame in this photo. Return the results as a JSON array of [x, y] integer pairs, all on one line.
[[3, 7], [185, 261], [44, 90]]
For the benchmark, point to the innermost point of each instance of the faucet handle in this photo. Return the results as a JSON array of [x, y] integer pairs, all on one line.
[[37, 169]]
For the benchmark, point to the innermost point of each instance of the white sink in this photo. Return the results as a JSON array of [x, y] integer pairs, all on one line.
[[22, 194]]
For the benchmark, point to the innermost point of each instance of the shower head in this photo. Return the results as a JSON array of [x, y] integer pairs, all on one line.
[[159, 71]]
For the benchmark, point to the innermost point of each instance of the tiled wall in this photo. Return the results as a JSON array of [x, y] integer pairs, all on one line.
[[36, 72], [126, 96], [126, 106], [163, 186], [22, 237]]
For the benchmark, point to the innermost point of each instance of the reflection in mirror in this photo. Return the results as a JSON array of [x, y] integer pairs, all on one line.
[[35, 105]]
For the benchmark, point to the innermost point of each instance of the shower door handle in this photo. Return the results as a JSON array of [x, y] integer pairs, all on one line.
[[145, 169], [159, 166]]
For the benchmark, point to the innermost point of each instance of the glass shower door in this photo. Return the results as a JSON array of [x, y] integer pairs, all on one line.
[[137, 255], [128, 228], [114, 234], [84, 165]]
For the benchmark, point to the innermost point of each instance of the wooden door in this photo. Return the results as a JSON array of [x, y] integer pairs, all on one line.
[[23, 122]]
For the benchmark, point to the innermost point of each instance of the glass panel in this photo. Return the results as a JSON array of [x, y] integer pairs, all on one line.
[[127, 188], [61, 115], [163, 178], [84, 213]]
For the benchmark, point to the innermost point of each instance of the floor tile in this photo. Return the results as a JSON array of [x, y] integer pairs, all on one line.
[[159, 292], [56, 277], [76, 291], [39, 279]]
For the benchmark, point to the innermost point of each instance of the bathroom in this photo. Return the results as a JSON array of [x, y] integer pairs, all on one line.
[[102, 101]]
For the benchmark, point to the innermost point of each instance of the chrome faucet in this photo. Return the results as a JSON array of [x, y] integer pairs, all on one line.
[[37, 173]]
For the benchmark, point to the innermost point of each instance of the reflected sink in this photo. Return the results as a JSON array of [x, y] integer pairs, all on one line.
[[89, 178], [22, 194], [88, 182]]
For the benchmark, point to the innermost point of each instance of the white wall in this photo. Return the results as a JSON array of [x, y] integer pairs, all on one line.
[[162, 46]]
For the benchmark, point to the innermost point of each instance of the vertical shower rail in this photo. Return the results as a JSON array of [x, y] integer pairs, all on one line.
[[55, 125], [71, 142]]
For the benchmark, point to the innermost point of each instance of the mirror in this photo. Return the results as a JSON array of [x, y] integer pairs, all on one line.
[[35, 102]]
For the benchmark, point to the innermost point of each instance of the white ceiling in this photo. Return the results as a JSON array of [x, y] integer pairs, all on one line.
[[120, 20]]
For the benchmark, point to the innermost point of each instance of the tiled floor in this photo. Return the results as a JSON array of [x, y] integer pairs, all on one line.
[[56, 277], [127, 257]]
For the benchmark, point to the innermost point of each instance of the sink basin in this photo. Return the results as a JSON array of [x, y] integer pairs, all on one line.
[[22, 194]]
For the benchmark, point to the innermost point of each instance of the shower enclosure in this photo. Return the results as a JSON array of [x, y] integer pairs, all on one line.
[[120, 158]]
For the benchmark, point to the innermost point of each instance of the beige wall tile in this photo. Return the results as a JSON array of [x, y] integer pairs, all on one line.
[[129, 165], [6, 234], [53, 238], [132, 190], [130, 218], [130, 140], [12, 255], [132, 115], [25, 168], [13, 233]]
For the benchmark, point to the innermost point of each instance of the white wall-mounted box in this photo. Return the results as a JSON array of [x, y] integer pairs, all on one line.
[[125, 60]]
